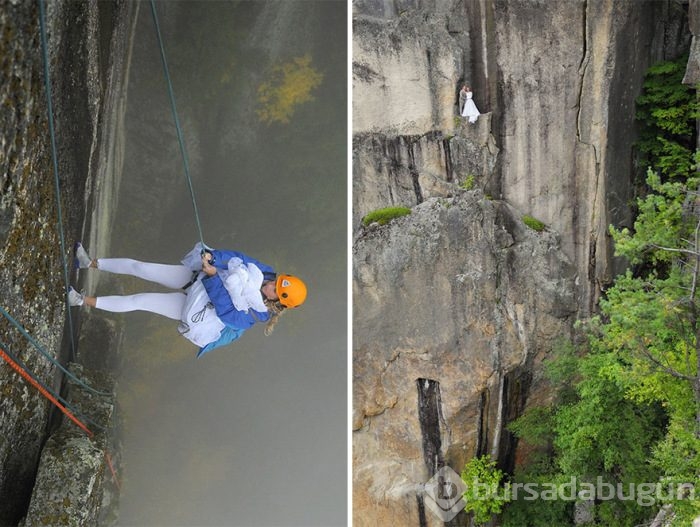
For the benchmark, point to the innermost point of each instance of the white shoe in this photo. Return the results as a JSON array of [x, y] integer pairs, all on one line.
[[75, 298], [82, 258]]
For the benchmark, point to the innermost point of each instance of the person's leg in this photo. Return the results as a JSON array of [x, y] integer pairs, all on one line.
[[167, 304], [173, 276]]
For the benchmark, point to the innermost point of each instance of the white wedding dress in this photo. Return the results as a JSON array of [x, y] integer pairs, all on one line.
[[470, 110], [199, 321]]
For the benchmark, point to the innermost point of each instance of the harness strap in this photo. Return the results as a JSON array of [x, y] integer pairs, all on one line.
[[195, 276]]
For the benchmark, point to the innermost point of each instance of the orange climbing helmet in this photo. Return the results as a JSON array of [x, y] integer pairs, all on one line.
[[290, 290]]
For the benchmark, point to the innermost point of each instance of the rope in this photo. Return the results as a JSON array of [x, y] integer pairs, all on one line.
[[22, 370], [65, 403], [52, 133], [108, 458], [65, 408], [44, 392], [177, 121], [48, 355]]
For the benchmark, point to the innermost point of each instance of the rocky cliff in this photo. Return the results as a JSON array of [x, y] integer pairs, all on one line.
[[87, 48], [462, 295], [456, 305]]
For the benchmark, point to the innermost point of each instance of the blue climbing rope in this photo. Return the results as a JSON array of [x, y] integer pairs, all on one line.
[[46, 354], [177, 121], [52, 133]]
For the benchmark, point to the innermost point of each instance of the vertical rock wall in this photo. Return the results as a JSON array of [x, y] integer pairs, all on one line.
[[692, 73], [569, 73], [462, 298], [460, 293], [81, 41], [559, 80]]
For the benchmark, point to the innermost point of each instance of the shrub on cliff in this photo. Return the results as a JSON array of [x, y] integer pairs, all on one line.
[[486, 492]]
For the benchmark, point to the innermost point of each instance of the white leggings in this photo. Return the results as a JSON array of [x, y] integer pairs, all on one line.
[[167, 304]]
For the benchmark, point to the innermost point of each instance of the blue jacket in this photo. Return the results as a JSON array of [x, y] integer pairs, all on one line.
[[236, 321], [219, 295]]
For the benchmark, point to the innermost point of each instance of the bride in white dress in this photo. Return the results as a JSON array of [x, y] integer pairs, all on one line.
[[470, 110]]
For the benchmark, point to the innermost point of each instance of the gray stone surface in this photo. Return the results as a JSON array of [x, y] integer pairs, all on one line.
[[559, 81], [692, 72], [73, 470], [462, 292], [87, 45]]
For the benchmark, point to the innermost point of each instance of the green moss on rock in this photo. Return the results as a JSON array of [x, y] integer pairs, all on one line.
[[533, 223], [385, 215]]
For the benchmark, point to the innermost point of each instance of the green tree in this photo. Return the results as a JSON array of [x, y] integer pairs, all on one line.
[[652, 326], [486, 494], [667, 111], [628, 407], [652, 319], [593, 431]]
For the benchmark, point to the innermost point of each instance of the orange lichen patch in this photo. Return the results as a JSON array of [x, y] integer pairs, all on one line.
[[290, 84]]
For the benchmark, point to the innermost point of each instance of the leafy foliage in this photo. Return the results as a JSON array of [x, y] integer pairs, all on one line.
[[524, 511], [468, 183], [667, 110], [652, 325], [628, 408], [594, 432], [628, 405], [660, 223], [484, 495]]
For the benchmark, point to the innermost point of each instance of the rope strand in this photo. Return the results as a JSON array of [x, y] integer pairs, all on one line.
[[48, 355], [52, 133], [44, 392], [65, 403], [65, 408], [177, 121]]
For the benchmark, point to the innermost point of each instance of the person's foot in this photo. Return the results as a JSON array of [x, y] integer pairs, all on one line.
[[75, 298], [82, 258]]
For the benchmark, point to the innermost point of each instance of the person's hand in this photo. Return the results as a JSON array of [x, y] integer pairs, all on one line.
[[208, 269]]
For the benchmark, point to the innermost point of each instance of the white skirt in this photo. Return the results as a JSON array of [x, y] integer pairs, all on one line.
[[471, 111], [199, 323]]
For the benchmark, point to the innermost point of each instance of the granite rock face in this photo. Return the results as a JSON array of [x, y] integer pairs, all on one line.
[[74, 469], [87, 45], [406, 169], [569, 74], [457, 305], [462, 294], [559, 80], [692, 72]]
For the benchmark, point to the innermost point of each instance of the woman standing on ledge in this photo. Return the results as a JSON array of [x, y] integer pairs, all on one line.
[[225, 293], [469, 110]]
